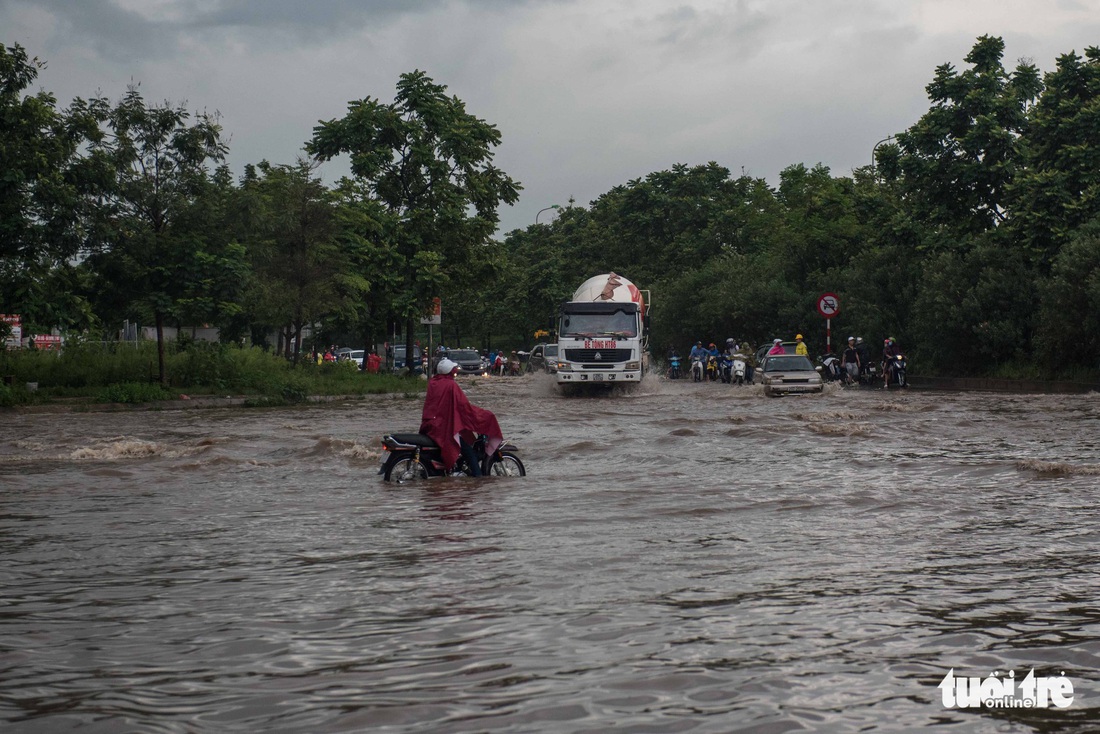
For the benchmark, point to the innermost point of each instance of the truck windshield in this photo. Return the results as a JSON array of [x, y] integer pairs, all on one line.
[[616, 323]]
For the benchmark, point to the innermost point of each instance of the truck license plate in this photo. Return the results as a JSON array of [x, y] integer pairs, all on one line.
[[597, 378]]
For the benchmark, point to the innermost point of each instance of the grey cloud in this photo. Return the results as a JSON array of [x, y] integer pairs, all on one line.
[[120, 34], [112, 32]]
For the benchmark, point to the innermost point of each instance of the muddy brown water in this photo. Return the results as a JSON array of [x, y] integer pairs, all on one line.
[[688, 558]]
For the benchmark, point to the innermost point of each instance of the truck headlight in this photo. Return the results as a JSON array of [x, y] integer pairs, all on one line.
[[633, 366], [564, 367]]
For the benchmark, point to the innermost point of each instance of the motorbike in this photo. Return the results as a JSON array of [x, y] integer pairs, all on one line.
[[895, 370], [738, 373], [410, 457], [697, 369], [674, 368], [829, 367], [868, 375], [725, 369], [712, 368]]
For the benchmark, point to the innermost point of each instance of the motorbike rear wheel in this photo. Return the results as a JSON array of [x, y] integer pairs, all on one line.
[[504, 464], [406, 469]]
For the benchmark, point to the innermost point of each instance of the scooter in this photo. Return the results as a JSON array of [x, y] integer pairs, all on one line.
[[726, 369], [712, 368], [895, 370], [738, 374], [829, 367], [697, 370], [868, 375], [410, 457], [674, 368]]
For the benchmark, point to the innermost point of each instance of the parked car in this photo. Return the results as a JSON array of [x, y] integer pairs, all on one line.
[[543, 357], [399, 359], [784, 374], [469, 360], [354, 355]]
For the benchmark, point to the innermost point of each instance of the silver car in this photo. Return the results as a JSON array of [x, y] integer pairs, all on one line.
[[785, 374], [544, 357]]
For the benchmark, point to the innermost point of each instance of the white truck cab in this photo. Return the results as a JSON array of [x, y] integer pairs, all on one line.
[[603, 333]]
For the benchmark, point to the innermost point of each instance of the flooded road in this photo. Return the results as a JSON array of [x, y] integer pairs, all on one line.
[[686, 558]]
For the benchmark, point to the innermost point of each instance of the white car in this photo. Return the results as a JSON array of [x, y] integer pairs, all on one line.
[[354, 355], [789, 374]]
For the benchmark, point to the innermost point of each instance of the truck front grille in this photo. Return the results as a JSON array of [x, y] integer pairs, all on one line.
[[597, 356]]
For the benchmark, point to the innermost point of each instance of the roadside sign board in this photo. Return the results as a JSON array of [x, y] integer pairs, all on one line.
[[15, 321], [828, 305], [435, 315]]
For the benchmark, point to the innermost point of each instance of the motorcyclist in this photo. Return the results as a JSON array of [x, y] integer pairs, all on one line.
[[453, 422], [732, 352], [801, 348], [697, 352], [673, 362], [746, 353], [889, 351], [712, 361]]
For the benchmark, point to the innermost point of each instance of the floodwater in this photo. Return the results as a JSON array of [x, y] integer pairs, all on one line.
[[684, 558]]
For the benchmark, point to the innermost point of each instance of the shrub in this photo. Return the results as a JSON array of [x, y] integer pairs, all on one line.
[[133, 392], [7, 396]]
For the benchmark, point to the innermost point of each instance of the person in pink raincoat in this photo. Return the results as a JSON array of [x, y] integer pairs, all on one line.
[[453, 422]]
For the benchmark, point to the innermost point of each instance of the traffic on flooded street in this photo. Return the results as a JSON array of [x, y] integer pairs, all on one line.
[[680, 556]]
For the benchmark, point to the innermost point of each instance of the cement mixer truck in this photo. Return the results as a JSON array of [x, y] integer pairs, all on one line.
[[603, 333]]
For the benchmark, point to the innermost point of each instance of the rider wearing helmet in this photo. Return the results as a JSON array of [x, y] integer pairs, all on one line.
[[453, 422], [801, 348]]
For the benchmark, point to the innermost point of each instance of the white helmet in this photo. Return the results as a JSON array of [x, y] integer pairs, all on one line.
[[446, 366]]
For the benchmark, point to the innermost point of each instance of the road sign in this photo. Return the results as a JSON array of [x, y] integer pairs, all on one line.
[[828, 305], [435, 315]]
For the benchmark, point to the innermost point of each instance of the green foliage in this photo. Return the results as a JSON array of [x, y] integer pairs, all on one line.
[[44, 173], [1058, 191], [123, 372], [156, 248], [1069, 314], [133, 392], [959, 160], [428, 162]]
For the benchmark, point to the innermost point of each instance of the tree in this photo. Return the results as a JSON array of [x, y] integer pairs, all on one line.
[[429, 163], [1059, 190], [1068, 331], [304, 270], [158, 161], [959, 159], [44, 176]]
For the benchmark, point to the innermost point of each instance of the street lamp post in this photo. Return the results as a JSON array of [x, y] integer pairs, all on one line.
[[874, 153], [552, 206]]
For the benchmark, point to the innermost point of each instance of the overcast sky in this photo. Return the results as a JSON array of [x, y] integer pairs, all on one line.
[[587, 94]]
